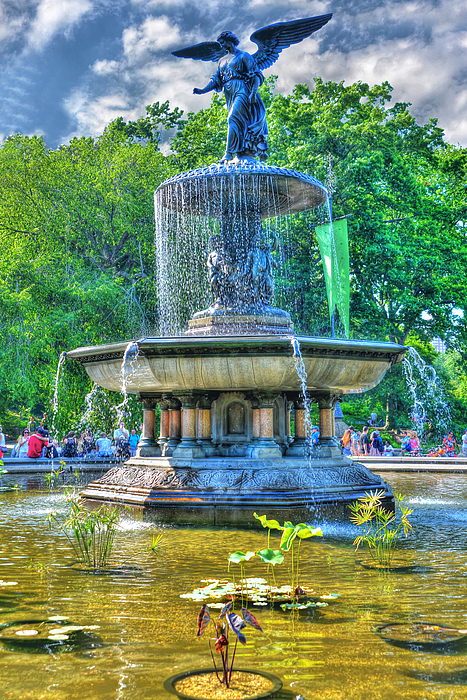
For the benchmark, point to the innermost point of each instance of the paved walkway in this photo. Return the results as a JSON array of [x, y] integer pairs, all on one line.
[[415, 464]]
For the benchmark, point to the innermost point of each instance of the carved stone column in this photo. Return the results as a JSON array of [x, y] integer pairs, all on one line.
[[188, 448], [288, 421], [204, 404], [164, 431], [264, 446], [299, 446], [174, 426], [147, 446], [328, 446]]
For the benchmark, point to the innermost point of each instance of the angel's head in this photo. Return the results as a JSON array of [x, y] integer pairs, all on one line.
[[227, 38]]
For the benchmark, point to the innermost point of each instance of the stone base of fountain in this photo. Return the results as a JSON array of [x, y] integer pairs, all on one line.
[[226, 491], [233, 435]]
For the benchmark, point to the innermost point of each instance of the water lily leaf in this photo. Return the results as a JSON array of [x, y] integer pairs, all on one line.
[[288, 537], [216, 606], [330, 596], [203, 619], [250, 619], [26, 633], [58, 637], [237, 557], [271, 524], [306, 531], [271, 556], [8, 583], [236, 624]]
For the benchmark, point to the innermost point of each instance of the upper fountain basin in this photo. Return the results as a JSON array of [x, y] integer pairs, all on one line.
[[239, 364], [273, 190]]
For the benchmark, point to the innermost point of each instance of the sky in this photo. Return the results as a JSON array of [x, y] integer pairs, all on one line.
[[70, 66]]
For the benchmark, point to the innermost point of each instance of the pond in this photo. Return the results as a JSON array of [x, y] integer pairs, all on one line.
[[139, 630]]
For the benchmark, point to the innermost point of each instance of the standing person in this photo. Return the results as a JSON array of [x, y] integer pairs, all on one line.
[[415, 448], [376, 445], [373, 418], [2, 440], [346, 438], [133, 440], [37, 443], [364, 442], [314, 438], [449, 443], [353, 441], [464, 444]]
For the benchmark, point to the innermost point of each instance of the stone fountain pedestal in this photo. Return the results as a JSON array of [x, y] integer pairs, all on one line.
[[226, 447]]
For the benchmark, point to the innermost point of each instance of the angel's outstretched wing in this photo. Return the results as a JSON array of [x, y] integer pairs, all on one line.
[[275, 37], [206, 51]]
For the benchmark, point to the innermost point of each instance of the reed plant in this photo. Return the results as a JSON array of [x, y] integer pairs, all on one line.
[[91, 533], [381, 528]]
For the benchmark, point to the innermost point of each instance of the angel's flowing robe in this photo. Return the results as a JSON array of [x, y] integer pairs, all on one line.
[[236, 75]]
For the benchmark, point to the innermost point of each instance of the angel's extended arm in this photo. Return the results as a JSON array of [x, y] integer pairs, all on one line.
[[212, 85]]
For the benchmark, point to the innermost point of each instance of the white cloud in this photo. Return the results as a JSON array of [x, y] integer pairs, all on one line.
[[53, 17], [154, 34], [105, 67]]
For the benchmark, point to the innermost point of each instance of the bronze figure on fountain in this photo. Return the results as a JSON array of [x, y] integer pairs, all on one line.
[[240, 74]]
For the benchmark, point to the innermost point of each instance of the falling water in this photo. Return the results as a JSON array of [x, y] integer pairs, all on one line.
[[302, 375], [61, 361], [127, 370], [428, 390], [89, 403]]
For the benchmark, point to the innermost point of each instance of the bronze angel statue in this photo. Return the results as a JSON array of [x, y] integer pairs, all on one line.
[[239, 74]]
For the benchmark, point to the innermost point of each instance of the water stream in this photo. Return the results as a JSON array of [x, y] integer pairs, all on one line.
[[61, 362], [427, 393], [302, 376], [127, 369]]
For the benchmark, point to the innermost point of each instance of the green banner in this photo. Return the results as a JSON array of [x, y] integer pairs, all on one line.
[[333, 241]]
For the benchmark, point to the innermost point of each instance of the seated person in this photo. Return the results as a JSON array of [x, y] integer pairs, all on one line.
[[388, 449], [37, 443], [70, 449], [104, 446], [88, 444], [20, 450]]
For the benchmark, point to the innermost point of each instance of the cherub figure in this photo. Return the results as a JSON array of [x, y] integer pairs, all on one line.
[[240, 75]]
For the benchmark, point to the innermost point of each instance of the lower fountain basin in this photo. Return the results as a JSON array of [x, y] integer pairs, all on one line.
[[242, 363]]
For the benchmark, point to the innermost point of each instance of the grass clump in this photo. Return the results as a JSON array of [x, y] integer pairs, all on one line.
[[91, 533]]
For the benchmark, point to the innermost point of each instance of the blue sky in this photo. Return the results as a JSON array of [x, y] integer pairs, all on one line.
[[70, 66]]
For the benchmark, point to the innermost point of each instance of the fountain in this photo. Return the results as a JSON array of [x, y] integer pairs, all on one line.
[[227, 388]]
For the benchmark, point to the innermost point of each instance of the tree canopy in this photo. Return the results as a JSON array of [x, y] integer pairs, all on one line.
[[77, 233]]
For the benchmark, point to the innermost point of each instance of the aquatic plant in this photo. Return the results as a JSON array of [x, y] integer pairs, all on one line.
[[260, 591], [228, 621], [290, 533], [91, 533], [381, 528]]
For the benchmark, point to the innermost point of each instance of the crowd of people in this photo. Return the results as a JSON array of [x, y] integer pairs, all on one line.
[[35, 442], [358, 443]]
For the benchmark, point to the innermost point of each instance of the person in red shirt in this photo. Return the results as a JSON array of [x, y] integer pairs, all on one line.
[[36, 443]]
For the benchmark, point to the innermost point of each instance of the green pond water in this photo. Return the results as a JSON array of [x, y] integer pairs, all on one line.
[[142, 631]]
